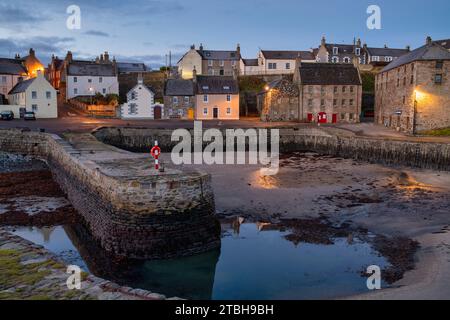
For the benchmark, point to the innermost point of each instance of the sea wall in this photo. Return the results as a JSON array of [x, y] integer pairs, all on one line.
[[136, 215], [386, 151]]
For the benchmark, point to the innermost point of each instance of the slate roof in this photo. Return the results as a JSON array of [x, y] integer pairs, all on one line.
[[216, 85], [219, 55], [287, 55], [445, 43], [431, 51], [22, 86], [329, 74], [89, 68], [125, 67], [343, 48], [250, 62], [12, 66], [388, 52], [179, 87]]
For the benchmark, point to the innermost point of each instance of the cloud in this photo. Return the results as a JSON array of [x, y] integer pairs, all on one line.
[[44, 46], [97, 33], [16, 18]]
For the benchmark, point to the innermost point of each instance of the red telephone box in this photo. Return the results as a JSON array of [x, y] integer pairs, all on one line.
[[322, 117], [310, 117], [334, 118]]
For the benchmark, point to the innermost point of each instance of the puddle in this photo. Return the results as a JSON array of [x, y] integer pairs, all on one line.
[[253, 263]]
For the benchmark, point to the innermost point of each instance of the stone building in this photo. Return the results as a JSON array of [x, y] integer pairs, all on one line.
[[209, 62], [54, 71], [412, 93], [179, 99], [279, 101], [326, 93]]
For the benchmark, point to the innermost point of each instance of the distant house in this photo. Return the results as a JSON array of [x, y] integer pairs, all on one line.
[[141, 104], [216, 98], [339, 53], [87, 78], [249, 67], [385, 54], [444, 43], [412, 92], [179, 99], [281, 62], [35, 94], [131, 67], [11, 72], [209, 62], [54, 71], [280, 101]]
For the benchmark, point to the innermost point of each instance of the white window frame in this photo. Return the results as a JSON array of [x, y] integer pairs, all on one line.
[[335, 59], [335, 50], [205, 98], [205, 111], [229, 97], [175, 100], [75, 79], [358, 51], [288, 65], [33, 94]]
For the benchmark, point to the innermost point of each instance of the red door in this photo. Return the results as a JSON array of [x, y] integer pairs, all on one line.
[[334, 117], [322, 117], [310, 117], [157, 112]]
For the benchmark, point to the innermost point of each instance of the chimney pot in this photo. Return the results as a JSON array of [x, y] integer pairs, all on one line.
[[429, 40]]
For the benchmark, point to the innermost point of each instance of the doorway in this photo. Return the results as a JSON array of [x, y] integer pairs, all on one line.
[[216, 113]]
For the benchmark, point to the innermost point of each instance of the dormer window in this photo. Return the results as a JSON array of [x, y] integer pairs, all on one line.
[[358, 51], [226, 88], [335, 50], [388, 59]]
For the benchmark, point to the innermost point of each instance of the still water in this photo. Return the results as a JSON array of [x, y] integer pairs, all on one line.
[[252, 264]]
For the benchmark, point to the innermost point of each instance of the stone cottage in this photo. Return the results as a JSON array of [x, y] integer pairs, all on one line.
[[279, 101], [412, 93]]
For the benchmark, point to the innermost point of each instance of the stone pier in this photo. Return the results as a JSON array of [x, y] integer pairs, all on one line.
[[129, 208]]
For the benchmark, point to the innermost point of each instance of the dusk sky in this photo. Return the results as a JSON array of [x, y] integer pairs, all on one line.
[[145, 30]]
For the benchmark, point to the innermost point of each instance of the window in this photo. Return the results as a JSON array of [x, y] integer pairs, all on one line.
[[335, 59], [132, 108], [388, 59], [344, 89], [334, 102], [351, 89], [346, 60], [342, 116], [322, 90], [376, 58], [310, 102], [222, 63], [205, 87], [350, 116], [438, 79], [226, 88], [100, 80], [33, 95], [398, 82], [75, 91], [180, 112], [412, 80], [228, 110], [89, 80], [404, 81], [34, 107], [104, 91], [175, 100], [48, 95], [186, 99], [351, 102], [288, 66], [343, 102], [358, 51], [75, 79], [205, 111], [335, 50], [272, 65], [133, 95], [335, 89], [228, 97], [210, 63], [205, 98], [4, 79], [439, 64]]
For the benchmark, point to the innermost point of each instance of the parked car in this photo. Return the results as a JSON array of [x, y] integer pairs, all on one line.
[[29, 115], [7, 115]]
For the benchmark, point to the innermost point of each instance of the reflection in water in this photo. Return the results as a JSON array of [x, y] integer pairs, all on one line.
[[256, 261]]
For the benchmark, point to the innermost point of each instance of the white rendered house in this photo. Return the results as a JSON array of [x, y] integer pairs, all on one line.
[[141, 104], [37, 95]]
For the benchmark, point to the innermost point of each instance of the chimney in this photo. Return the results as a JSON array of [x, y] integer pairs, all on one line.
[[324, 41], [365, 45], [17, 56], [69, 56], [238, 50], [385, 46], [97, 60], [408, 48], [201, 47], [358, 43], [140, 79], [106, 56], [32, 53], [429, 40], [101, 58], [298, 62], [193, 47]]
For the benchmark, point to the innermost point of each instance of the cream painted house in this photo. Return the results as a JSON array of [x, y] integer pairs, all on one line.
[[37, 95], [216, 98]]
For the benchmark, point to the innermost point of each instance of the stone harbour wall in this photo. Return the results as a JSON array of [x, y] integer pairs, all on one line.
[[142, 217], [327, 141]]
